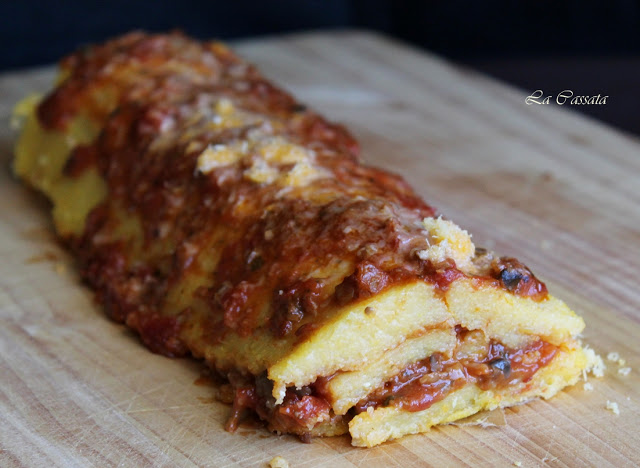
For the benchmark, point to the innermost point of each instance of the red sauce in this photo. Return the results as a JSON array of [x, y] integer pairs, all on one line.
[[514, 276], [444, 278], [82, 158], [524, 363], [159, 333], [245, 399], [299, 413]]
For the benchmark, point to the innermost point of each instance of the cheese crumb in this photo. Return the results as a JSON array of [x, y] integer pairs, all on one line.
[[301, 174], [280, 151], [621, 362], [270, 155], [613, 407], [624, 371], [228, 116], [447, 240], [261, 173], [278, 462], [613, 356], [217, 156], [224, 107], [517, 463], [595, 363], [194, 146], [587, 387]]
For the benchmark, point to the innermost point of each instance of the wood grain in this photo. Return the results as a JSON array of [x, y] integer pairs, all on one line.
[[555, 189]]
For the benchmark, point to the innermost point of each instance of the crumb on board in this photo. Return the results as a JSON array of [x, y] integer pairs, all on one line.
[[278, 462], [624, 371], [587, 387], [595, 365], [613, 407], [517, 463], [614, 356]]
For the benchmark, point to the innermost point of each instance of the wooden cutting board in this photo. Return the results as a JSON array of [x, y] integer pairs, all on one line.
[[559, 191]]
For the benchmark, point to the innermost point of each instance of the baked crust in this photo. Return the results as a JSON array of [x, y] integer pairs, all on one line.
[[218, 217]]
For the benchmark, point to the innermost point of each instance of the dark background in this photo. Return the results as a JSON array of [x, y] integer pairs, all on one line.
[[591, 47]]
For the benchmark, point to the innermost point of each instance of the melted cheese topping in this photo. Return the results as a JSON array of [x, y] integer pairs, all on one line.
[[227, 115], [270, 159], [217, 156], [261, 172], [277, 150]]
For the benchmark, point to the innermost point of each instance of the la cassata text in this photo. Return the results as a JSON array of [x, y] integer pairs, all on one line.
[[565, 97]]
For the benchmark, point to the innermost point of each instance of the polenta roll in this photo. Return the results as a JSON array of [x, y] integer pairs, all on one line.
[[220, 218]]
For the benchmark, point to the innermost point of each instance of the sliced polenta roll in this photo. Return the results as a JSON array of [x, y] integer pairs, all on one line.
[[218, 217]]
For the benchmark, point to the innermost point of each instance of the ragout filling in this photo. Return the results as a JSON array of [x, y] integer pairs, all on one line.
[[490, 365], [475, 360], [301, 411]]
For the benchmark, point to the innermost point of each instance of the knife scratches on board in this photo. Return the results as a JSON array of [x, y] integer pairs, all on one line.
[[483, 419]]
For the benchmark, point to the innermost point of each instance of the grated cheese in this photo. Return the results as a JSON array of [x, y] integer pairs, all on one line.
[[217, 156], [225, 107], [261, 173], [447, 240], [280, 151]]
